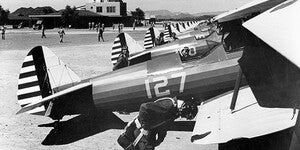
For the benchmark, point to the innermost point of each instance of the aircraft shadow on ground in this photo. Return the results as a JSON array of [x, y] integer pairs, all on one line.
[[84, 126], [80, 127], [182, 126]]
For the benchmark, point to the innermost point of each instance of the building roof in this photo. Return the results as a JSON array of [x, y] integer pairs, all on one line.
[[87, 13], [45, 16], [18, 17], [81, 13]]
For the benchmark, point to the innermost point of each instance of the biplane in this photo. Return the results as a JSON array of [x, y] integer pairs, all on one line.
[[48, 87]]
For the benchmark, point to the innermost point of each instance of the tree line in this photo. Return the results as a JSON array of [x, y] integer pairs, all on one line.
[[3, 15]]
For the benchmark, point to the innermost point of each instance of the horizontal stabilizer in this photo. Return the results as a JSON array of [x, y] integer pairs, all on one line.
[[39, 103]]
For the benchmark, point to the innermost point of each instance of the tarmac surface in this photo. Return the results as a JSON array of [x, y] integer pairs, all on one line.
[[87, 58]]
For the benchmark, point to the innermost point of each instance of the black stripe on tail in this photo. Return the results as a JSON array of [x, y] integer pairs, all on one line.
[[120, 41], [149, 39], [41, 69]]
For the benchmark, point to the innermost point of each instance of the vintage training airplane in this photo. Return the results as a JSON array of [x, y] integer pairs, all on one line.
[[48, 87]]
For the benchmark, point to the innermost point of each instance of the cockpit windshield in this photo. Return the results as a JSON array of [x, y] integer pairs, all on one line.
[[197, 52], [204, 33]]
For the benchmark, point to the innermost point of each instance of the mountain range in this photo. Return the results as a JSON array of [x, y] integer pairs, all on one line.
[[166, 14], [33, 11], [159, 14]]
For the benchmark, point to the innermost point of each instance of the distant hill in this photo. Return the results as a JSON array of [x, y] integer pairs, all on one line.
[[33, 11], [160, 12], [209, 13], [168, 15], [175, 16]]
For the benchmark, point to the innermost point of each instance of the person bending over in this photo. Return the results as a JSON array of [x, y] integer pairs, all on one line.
[[150, 127]]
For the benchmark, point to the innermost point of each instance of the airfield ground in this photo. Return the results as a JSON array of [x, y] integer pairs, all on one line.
[[87, 57]]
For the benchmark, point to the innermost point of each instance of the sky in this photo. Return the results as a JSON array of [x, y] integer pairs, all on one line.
[[190, 6]]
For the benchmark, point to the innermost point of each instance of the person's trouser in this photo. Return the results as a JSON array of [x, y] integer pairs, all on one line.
[[61, 37], [127, 138], [100, 36]]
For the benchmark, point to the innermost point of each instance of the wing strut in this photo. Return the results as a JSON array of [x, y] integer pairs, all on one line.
[[236, 89], [49, 109]]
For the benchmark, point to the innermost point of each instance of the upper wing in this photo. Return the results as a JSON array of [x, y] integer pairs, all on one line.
[[279, 28], [217, 124], [247, 9]]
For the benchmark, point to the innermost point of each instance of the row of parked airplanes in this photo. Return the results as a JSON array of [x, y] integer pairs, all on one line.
[[241, 68]]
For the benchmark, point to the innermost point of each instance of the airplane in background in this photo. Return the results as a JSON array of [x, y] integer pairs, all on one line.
[[48, 87], [270, 64], [170, 27], [182, 27], [138, 54], [152, 35], [182, 32]]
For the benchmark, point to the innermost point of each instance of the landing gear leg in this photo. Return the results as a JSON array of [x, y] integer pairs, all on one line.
[[56, 124]]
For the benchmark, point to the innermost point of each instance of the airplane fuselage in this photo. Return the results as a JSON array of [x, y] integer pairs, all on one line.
[[172, 47], [168, 75]]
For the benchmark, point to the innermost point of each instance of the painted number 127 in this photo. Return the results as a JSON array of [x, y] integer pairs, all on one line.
[[163, 82]]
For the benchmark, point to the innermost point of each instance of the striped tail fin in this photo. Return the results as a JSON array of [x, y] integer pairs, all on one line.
[[173, 29], [192, 24], [187, 25], [150, 36], [42, 74], [169, 29], [177, 27], [123, 39], [181, 28], [167, 32], [183, 25]]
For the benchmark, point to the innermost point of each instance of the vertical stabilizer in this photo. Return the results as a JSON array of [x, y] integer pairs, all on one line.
[[42, 74], [151, 35], [174, 29], [167, 32], [123, 39]]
